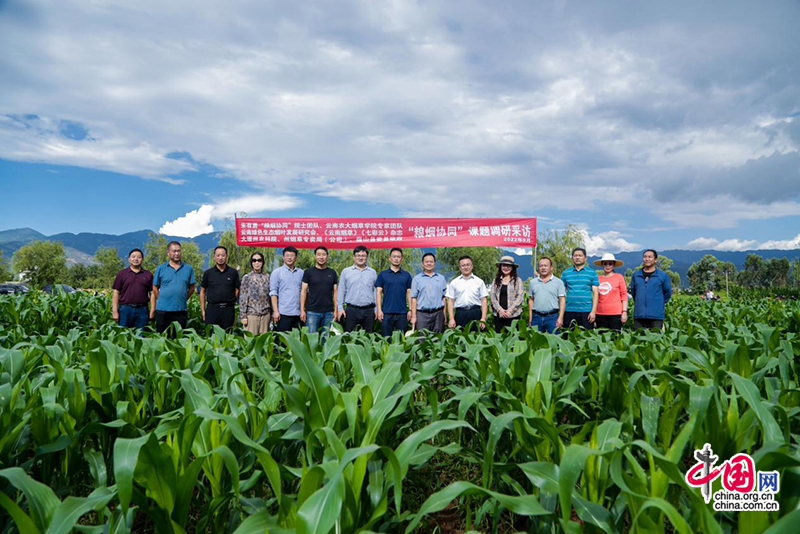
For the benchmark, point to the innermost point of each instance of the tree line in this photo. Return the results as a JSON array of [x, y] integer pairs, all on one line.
[[757, 273]]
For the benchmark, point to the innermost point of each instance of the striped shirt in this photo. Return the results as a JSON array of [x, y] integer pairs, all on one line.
[[579, 288]]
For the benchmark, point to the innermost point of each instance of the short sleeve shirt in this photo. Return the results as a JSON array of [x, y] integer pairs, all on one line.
[[173, 285], [133, 287], [611, 294], [394, 285], [579, 288], [466, 292], [220, 286], [320, 289], [545, 294], [428, 290]]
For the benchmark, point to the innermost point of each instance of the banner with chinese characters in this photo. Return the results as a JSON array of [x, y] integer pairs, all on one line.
[[385, 233]]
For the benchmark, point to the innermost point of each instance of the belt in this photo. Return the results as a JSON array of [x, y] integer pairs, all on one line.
[[134, 305], [368, 306], [545, 314], [221, 304], [432, 311], [468, 308]]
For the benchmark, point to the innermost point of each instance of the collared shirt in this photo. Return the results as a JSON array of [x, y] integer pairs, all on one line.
[[545, 293], [579, 288], [133, 287], [254, 294], [466, 291], [395, 286], [221, 285], [356, 286], [428, 289], [285, 283], [173, 286]]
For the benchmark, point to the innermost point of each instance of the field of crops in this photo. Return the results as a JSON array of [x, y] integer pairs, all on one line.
[[102, 430]]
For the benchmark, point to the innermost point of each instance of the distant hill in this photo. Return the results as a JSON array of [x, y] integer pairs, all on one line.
[[81, 247]]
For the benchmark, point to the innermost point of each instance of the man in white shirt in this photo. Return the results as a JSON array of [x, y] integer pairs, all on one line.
[[466, 297]]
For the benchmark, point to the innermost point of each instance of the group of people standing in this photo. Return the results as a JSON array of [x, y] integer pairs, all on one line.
[[290, 297]]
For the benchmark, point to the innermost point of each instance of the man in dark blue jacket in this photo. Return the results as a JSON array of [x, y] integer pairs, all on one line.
[[651, 290]]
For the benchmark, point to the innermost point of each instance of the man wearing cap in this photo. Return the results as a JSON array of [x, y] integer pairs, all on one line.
[[612, 299], [357, 291], [547, 299], [650, 289], [581, 284], [466, 297], [427, 297]]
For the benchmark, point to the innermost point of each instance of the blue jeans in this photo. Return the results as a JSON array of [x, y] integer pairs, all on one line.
[[133, 317], [319, 321], [545, 323]]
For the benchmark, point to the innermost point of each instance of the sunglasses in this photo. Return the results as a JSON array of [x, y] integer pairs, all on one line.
[[609, 263], [256, 261]]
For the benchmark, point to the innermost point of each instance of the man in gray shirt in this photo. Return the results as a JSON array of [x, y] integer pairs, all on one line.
[[357, 292], [548, 299]]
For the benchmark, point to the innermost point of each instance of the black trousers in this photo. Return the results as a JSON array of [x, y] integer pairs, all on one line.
[[503, 322], [648, 324], [392, 322], [166, 318], [465, 315], [579, 319], [610, 322], [287, 322], [363, 317], [222, 317]]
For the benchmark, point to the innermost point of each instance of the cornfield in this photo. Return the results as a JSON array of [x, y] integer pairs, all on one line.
[[106, 431]]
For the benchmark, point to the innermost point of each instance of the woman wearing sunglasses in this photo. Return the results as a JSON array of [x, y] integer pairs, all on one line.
[[254, 302], [612, 302]]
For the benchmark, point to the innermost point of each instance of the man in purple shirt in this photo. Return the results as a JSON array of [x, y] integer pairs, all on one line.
[[132, 288]]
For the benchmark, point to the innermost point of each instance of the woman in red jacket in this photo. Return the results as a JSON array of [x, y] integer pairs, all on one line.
[[612, 303]]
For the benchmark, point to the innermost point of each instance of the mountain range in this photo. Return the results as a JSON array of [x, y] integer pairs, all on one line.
[[81, 247]]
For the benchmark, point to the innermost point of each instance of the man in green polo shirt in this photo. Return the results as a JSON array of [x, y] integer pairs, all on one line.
[[582, 286]]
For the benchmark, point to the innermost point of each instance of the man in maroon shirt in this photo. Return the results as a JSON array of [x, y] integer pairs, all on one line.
[[132, 288]]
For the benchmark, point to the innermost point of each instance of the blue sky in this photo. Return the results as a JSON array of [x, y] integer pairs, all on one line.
[[666, 125]]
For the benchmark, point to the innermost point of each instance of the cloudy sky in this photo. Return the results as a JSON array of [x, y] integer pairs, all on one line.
[[665, 124]]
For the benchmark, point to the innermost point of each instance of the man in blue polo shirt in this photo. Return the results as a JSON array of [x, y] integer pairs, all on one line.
[[394, 286], [427, 297], [582, 286], [173, 284]]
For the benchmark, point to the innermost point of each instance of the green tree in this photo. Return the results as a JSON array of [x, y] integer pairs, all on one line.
[[558, 246], [190, 253], [41, 262], [483, 260], [796, 272], [778, 271], [109, 263], [5, 270], [754, 273], [155, 251], [709, 273]]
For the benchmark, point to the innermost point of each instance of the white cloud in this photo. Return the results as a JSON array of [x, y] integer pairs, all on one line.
[[710, 243], [787, 244], [192, 224], [611, 241], [420, 106], [199, 221]]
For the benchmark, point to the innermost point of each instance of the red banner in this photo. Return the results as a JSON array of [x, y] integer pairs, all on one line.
[[385, 233]]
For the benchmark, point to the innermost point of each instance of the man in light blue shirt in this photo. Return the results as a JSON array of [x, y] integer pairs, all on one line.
[[173, 284], [427, 297], [284, 291], [357, 291]]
